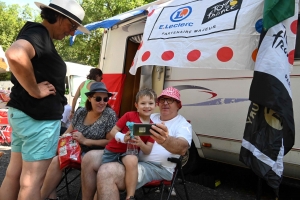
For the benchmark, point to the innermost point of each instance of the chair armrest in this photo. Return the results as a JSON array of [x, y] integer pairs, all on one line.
[[175, 160]]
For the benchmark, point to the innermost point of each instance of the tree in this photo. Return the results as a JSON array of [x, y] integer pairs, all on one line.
[[86, 49], [13, 17]]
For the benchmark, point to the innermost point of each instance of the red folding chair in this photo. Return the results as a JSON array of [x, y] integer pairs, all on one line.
[[161, 184]]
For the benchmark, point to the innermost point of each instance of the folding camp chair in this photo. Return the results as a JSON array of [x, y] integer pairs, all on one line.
[[68, 182], [161, 184]]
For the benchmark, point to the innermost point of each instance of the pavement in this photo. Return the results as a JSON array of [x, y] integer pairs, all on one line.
[[235, 183]]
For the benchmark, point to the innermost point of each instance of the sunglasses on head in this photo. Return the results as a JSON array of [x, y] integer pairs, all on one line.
[[98, 99]]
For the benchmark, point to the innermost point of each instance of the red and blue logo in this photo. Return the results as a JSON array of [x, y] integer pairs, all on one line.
[[212, 99], [181, 14]]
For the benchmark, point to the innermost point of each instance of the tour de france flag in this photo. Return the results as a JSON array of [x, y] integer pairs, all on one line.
[[214, 34], [269, 131]]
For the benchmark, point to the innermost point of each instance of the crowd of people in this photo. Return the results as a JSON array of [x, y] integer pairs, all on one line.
[[37, 105]]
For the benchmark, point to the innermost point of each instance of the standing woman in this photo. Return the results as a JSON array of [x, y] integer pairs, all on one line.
[[37, 97], [94, 76]]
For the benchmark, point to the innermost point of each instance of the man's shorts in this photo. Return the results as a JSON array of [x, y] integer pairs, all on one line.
[[35, 139], [149, 171], [109, 156]]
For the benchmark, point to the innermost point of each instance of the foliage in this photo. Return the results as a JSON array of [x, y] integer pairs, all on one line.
[[5, 76], [86, 49], [13, 17]]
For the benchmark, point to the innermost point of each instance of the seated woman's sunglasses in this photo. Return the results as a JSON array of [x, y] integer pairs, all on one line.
[[98, 99]]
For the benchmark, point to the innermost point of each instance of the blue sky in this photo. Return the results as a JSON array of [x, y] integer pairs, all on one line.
[[23, 2]]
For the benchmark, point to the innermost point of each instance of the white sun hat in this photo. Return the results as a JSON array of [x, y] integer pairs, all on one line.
[[69, 8]]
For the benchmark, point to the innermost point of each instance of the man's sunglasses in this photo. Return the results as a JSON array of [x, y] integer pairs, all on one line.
[[168, 100], [98, 99]]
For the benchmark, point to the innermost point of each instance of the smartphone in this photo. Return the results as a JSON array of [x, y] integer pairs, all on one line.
[[142, 129]]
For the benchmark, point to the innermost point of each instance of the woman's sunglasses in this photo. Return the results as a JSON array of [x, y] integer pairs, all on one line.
[[98, 99]]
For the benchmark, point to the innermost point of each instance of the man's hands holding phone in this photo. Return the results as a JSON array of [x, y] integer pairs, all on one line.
[[159, 133]]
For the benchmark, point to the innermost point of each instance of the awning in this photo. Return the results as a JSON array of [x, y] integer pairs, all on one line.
[[110, 22]]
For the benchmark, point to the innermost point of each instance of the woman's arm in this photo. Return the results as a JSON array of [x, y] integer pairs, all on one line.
[[113, 132], [19, 56], [89, 84], [90, 142], [69, 129], [76, 96]]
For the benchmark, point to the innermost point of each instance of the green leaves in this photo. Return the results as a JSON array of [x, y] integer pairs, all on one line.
[[86, 48]]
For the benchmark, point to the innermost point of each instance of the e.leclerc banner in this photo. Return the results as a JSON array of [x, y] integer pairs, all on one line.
[[202, 34]]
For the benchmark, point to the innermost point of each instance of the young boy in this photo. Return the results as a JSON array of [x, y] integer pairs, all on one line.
[[115, 150]]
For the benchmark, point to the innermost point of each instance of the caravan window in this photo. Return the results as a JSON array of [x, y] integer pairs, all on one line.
[[75, 81]]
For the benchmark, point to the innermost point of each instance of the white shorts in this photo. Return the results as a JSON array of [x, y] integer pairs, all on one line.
[[150, 171]]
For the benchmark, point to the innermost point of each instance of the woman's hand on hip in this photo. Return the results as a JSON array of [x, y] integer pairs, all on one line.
[[45, 89]]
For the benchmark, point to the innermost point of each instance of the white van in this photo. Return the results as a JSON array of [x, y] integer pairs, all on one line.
[[215, 101]]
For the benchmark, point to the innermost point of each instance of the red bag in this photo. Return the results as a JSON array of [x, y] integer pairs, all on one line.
[[5, 135], [69, 152]]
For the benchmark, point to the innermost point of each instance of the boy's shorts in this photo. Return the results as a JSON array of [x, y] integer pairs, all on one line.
[[149, 171], [109, 156], [34, 139]]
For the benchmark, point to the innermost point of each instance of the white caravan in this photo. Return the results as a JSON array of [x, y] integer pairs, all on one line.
[[215, 101]]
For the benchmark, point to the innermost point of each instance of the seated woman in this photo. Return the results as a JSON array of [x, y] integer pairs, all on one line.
[[94, 75], [93, 123]]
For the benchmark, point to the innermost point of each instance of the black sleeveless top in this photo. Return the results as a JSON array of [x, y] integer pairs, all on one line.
[[47, 66]]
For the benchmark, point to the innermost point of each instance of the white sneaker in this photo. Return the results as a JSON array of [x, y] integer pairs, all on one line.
[[173, 193]]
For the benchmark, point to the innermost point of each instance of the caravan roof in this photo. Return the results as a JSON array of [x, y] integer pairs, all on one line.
[[118, 19]]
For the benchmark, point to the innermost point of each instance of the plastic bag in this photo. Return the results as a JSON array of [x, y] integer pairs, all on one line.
[[5, 134], [69, 152]]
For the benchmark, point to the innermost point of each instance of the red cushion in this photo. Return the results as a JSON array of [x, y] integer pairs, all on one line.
[[156, 183]]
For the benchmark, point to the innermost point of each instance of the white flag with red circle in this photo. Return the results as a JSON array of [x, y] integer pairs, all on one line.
[[216, 34]]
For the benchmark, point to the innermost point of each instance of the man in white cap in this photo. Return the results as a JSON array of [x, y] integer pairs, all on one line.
[[37, 97], [172, 135]]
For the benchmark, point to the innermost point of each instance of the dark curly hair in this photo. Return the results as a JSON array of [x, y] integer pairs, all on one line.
[[50, 15], [93, 73]]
